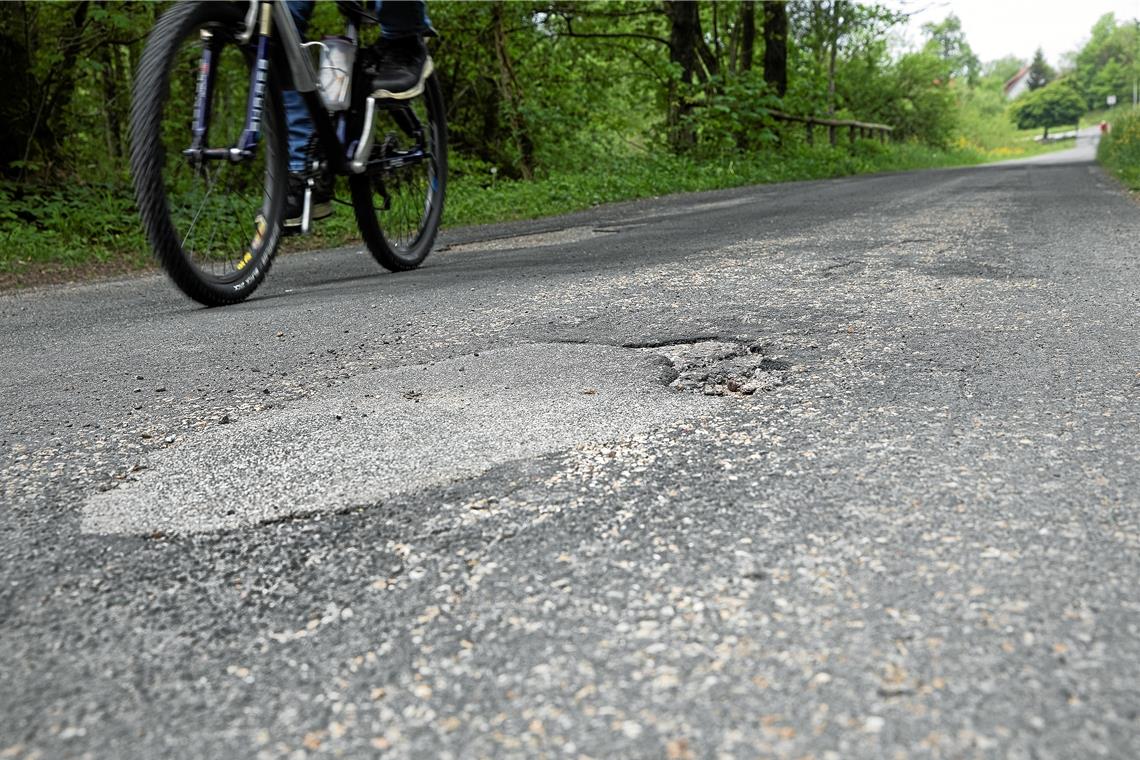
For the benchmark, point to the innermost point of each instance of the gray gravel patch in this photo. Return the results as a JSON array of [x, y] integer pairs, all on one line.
[[392, 431]]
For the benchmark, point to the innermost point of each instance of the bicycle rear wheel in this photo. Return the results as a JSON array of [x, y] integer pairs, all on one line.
[[399, 201], [214, 226]]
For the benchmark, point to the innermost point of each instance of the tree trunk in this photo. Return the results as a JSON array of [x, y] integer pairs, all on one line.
[[717, 53], [833, 43], [108, 55], [776, 46], [18, 89], [60, 98], [684, 22], [512, 94], [748, 32]]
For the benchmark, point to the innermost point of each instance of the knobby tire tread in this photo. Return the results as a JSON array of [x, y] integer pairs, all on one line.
[[151, 91], [362, 199]]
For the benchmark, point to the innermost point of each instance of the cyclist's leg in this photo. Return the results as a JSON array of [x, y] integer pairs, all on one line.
[[403, 19], [300, 131], [297, 118]]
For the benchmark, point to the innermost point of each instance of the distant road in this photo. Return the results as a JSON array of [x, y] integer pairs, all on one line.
[[1084, 149], [827, 469]]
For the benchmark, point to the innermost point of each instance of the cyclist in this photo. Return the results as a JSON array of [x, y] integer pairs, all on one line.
[[396, 66]]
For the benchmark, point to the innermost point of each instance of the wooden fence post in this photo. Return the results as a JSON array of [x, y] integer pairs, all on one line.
[[810, 137], [831, 134]]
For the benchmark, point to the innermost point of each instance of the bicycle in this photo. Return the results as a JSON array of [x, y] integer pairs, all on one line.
[[211, 180]]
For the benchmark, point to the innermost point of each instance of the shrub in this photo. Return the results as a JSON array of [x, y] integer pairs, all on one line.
[[1120, 149]]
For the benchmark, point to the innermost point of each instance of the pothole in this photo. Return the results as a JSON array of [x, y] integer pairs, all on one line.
[[717, 367]]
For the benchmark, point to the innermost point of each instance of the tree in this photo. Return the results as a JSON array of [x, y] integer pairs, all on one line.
[[1003, 69], [1055, 104], [919, 104], [1040, 72], [776, 46], [947, 40], [1109, 63]]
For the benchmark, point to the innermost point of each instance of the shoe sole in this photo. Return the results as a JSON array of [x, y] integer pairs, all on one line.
[[429, 68], [316, 211]]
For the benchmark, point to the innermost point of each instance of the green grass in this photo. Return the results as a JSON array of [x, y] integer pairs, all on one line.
[[984, 124], [57, 233], [1120, 149]]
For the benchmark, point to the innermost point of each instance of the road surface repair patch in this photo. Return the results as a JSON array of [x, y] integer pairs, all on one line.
[[397, 430]]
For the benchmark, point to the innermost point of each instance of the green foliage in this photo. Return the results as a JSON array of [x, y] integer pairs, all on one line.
[[76, 225], [1053, 105], [947, 40], [734, 115], [1109, 63], [923, 106], [1040, 72], [1001, 70], [1119, 150]]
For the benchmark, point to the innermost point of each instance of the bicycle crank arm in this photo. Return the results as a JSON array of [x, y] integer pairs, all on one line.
[[233, 155], [397, 159]]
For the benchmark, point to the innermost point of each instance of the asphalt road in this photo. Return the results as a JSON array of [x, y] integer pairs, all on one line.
[[825, 469]]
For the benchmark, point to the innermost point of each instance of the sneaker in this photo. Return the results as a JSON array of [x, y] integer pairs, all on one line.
[[320, 205], [399, 68]]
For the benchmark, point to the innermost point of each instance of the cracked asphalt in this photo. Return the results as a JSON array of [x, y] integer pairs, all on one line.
[[824, 469]]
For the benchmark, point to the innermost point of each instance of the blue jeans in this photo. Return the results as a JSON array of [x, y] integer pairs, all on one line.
[[405, 18]]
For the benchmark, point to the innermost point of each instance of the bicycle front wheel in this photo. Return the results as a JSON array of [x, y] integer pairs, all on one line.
[[213, 224], [399, 200]]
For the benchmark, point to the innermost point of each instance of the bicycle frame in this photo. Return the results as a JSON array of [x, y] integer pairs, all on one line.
[[344, 157]]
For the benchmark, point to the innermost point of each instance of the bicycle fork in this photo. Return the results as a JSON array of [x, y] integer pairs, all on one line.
[[198, 153]]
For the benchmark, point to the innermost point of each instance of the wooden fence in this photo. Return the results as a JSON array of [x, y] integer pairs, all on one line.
[[854, 128]]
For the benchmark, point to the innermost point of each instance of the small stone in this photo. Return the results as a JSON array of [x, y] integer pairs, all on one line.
[[160, 389]]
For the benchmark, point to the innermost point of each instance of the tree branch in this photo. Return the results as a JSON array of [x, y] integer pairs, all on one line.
[[609, 35]]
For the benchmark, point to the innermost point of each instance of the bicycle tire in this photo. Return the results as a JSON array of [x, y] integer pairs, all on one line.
[[243, 230], [401, 237]]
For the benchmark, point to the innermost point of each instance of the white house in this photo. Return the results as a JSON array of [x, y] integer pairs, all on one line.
[[1017, 84]]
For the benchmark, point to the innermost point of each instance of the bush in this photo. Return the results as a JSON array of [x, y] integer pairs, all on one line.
[[1120, 149]]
